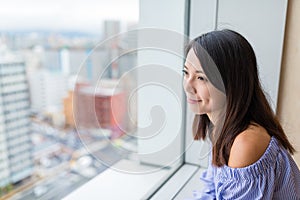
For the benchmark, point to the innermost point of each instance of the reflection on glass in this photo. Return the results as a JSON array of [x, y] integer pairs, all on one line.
[[62, 103]]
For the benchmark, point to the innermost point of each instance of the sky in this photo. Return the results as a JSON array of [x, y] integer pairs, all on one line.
[[64, 14]]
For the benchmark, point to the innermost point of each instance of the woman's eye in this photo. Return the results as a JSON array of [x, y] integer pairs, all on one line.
[[201, 78], [184, 72]]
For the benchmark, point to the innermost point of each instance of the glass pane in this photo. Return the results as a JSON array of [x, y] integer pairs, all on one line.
[[82, 88], [51, 59]]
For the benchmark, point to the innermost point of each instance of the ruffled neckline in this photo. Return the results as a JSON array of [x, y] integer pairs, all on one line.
[[265, 162]]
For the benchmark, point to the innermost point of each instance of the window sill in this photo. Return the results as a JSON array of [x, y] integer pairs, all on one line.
[[182, 184], [112, 184]]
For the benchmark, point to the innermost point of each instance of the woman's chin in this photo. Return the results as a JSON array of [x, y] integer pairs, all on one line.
[[197, 111]]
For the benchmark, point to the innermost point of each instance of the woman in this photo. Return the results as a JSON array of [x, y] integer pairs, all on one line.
[[250, 152]]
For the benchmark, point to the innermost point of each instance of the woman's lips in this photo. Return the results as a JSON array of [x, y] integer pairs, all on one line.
[[193, 101]]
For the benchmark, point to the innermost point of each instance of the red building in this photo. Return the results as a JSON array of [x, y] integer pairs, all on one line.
[[100, 108]]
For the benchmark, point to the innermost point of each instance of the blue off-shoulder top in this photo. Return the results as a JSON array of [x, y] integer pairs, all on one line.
[[274, 176]]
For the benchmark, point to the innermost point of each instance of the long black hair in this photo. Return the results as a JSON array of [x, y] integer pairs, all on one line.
[[233, 57]]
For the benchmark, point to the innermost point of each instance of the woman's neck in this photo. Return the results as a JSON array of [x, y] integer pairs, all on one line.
[[217, 117]]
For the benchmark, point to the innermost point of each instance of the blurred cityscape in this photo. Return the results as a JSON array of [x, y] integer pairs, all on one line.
[[63, 107]]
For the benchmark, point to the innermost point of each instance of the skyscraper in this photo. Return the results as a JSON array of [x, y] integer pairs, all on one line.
[[15, 145]]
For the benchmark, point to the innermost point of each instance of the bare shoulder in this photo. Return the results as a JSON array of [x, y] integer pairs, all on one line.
[[248, 147]]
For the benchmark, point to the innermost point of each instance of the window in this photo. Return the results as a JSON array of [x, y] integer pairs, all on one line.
[[99, 96], [101, 83]]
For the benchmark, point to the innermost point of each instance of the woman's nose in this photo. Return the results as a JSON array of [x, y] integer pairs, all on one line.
[[189, 87]]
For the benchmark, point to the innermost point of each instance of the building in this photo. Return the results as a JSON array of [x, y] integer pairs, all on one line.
[[103, 107], [68, 109], [16, 161], [111, 28], [47, 90]]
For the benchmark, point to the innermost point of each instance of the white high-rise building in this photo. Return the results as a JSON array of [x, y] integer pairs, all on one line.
[[16, 161], [47, 90]]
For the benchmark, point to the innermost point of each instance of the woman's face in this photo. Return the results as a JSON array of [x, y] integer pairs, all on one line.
[[202, 96]]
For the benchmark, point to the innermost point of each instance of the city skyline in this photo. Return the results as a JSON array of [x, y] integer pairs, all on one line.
[[53, 39]]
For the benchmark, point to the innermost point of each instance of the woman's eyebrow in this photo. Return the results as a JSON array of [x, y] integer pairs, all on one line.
[[197, 71]]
